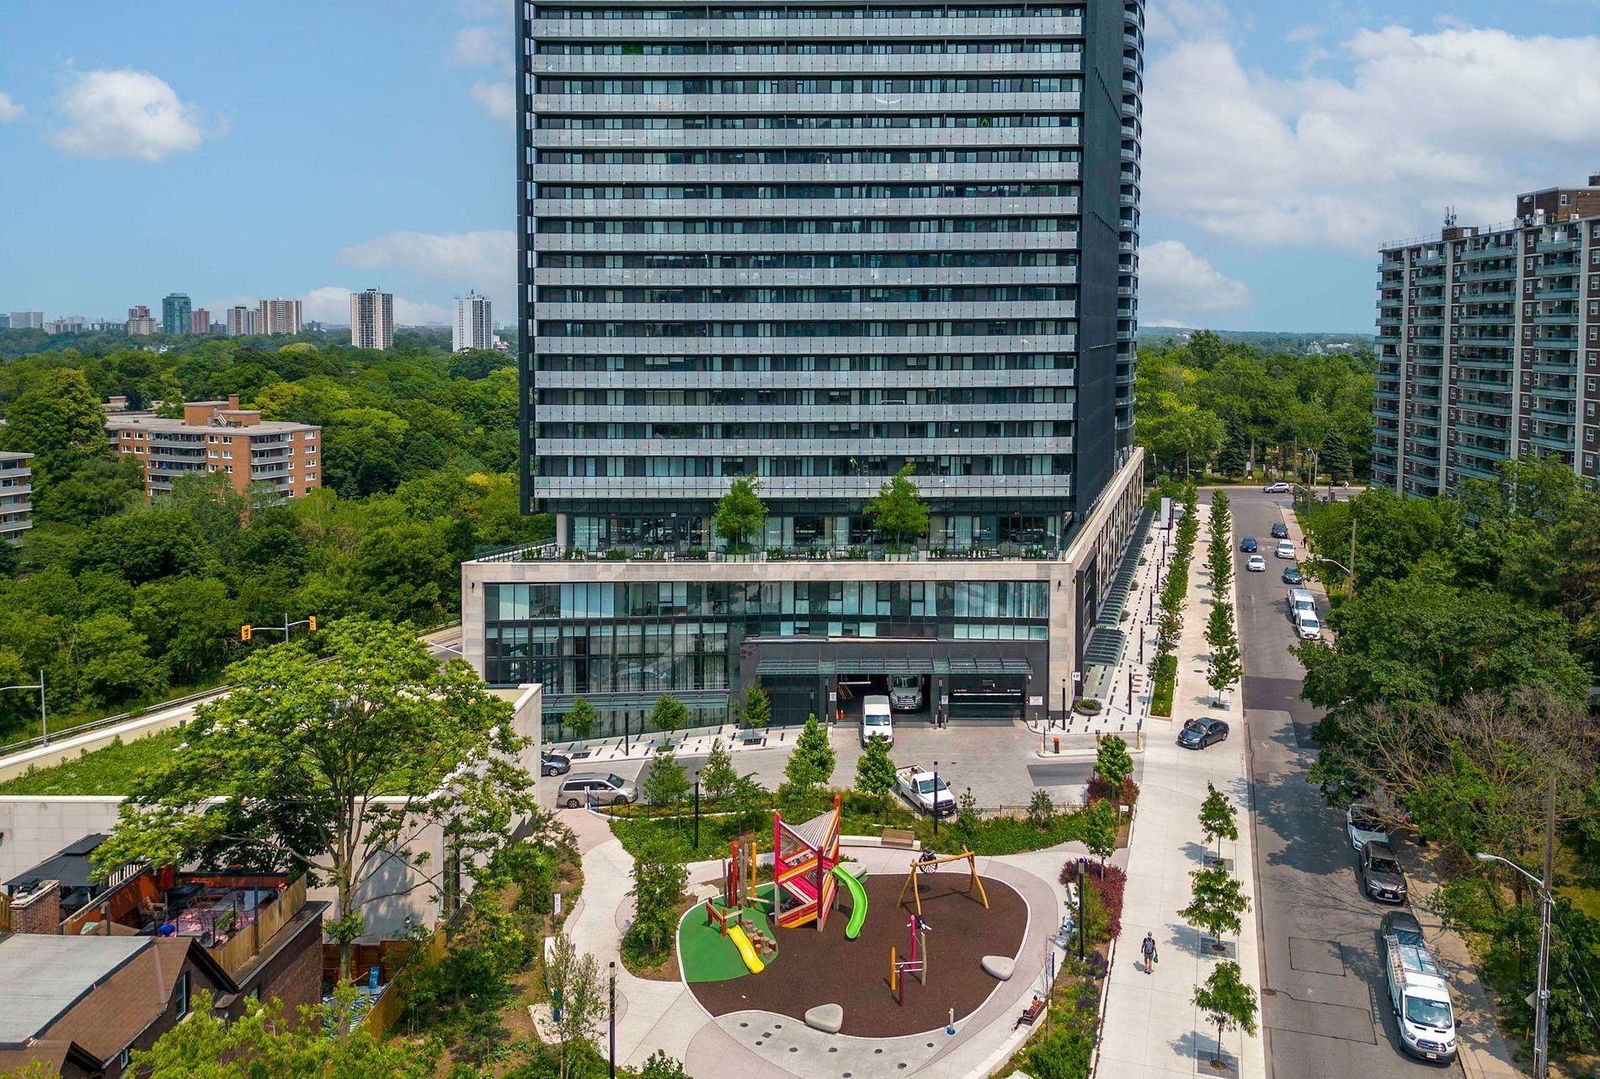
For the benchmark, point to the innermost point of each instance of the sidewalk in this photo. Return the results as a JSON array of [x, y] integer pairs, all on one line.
[[1152, 1028]]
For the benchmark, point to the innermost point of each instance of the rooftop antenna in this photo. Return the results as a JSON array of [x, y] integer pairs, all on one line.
[[1449, 217]]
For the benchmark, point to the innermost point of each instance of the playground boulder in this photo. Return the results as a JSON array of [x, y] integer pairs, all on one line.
[[827, 1018], [999, 967]]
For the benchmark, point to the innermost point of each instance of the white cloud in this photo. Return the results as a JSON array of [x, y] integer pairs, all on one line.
[[498, 97], [482, 46], [485, 260], [10, 111], [331, 304], [1179, 288], [1460, 117], [127, 113]]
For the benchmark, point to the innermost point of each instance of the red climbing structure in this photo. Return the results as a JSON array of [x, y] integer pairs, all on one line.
[[803, 860]]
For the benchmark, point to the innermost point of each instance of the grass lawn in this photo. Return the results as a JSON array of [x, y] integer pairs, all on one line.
[[105, 771]]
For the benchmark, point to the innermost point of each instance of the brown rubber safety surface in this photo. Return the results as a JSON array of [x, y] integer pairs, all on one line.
[[824, 968]]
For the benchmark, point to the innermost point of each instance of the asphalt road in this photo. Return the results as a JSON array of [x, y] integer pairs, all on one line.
[[1324, 1005]]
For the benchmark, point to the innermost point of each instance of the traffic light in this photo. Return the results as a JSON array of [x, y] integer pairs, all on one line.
[[312, 623], [244, 633]]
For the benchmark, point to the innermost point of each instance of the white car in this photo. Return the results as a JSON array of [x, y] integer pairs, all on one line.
[[1279, 488], [1256, 564], [1284, 549], [1306, 626], [1362, 825]]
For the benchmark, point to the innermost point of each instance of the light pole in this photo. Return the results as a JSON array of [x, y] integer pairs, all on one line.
[[44, 717], [1547, 903], [935, 797], [611, 1026]]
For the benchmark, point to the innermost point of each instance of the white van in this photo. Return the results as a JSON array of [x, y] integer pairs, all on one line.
[[1300, 599], [877, 721], [905, 692]]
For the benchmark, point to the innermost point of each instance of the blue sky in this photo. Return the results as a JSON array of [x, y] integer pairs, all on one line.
[[246, 149]]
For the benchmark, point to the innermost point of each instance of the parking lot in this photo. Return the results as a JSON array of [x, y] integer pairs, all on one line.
[[999, 761]]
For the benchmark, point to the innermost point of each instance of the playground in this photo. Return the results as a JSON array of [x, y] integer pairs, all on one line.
[[874, 955]]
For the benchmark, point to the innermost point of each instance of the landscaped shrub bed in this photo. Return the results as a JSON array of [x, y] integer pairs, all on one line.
[[1166, 682]]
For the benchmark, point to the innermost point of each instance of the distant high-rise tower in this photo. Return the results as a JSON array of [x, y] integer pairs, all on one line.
[[278, 316], [474, 326], [200, 320], [28, 320], [139, 323], [371, 319], [241, 321], [175, 312]]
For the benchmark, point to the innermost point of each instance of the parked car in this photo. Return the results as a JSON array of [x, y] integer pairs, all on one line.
[[929, 793], [1292, 575], [1307, 626], [1363, 825], [1280, 488], [554, 764], [1256, 564], [1381, 875], [1199, 733], [1248, 545], [1280, 531], [602, 789], [1284, 549]]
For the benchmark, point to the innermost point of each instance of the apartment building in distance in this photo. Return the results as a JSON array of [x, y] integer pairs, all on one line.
[[371, 319], [26, 320], [278, 316], [176, 314], [16, 495], [242, 320], [1489, 345], [219, 436], [199, 321], [139, 323], [818, 245], [474, 325]]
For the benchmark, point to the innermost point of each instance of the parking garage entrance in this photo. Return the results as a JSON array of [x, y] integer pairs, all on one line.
[[960, 682]]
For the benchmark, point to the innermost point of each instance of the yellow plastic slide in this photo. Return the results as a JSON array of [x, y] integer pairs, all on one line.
[[746, 951]]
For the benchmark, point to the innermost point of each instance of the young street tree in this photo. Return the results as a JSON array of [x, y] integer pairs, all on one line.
[[1228, 1002], [669, 715], [812, 762], [1112, 762], [717, 776], [898, 510], [666, 784], [875, 769], [574, 979], [740, 512], [288, 770], [1224, 669], [580, 718], [1218, 820], [757, 709], [1217, 902], [1100, 821]]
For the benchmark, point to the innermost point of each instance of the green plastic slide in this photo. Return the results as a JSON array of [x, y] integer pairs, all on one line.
[[858, 902]]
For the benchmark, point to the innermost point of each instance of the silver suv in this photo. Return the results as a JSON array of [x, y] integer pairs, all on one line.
[[587, 787]]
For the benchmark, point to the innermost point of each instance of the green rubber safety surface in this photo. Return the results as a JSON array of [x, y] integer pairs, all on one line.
[[706, 955]]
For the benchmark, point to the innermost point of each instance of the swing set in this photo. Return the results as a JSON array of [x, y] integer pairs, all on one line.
[[974, 882]]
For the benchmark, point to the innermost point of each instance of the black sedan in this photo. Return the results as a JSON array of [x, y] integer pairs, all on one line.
[[1248, 545], [1293, 576], [1280, 531], [554, 764], [1199, 733]]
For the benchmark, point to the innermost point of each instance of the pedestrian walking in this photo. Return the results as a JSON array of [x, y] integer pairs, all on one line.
[[1148, 948]]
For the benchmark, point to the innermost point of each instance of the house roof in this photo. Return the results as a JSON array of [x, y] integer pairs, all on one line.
[[70, 865], [46, 976]]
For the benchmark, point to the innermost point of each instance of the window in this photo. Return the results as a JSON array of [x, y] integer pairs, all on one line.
[[182, 994], [125, 1058]]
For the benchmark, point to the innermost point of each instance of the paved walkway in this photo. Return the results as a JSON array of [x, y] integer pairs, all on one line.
[[1152, 1028]]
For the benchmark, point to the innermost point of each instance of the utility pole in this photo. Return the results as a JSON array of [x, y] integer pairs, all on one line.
[[1547, 902], [1352, 549]]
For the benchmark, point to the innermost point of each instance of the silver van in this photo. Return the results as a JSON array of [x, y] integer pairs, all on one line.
[[596, 787], [1300, 599], [877, 721]]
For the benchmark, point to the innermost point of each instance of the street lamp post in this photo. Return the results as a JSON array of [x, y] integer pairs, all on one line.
[[611, 1026], [1547, 903], [935, 797], [44, 717]]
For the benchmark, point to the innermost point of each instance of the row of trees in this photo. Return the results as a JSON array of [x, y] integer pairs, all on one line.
[[1459, 684], [898, 511], [1224, 665], [1216, 906], [119, 600], [1169, 614], [1208, 404]]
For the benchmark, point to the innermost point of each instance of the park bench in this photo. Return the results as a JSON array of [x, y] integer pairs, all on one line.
[[899, 837], [1030, 1014]]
